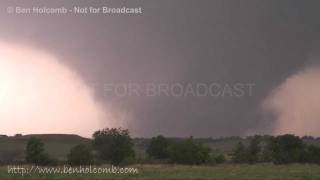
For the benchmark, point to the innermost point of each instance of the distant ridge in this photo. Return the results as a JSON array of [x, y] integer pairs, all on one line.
[[52, 137]]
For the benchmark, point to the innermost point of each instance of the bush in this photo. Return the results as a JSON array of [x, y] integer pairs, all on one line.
[[35, 153], [158, 148], [254, 149], [240, 154], [282, 149], [189, 152], [129, 161], [80, 155], [287, 149], [219, 159], [113, 145], [313, 154]]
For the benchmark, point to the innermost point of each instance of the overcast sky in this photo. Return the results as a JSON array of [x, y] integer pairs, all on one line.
[[255, 41]]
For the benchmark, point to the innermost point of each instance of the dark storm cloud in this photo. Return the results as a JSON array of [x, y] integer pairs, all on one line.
[[260, 42]]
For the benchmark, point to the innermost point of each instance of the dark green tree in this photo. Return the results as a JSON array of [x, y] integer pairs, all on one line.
[[287, 149], [266, 151], [113, 145], [218, 159], [158, 148], [189, 152], [35, 152], [80, 155], [254, 150], [240, 154], [312, 154]]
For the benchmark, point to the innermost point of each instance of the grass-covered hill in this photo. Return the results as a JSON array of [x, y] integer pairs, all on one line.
[[57, 145]]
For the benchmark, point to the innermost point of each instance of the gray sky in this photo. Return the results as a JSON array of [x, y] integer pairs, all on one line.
[[227, 42]]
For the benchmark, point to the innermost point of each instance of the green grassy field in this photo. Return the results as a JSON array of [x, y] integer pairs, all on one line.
[[227, 171]]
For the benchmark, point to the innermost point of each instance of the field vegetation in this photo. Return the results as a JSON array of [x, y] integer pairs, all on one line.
[[255, 157]]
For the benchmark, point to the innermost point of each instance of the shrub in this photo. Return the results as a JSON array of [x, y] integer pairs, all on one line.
[[313, 154], [254, 150], [80, 155], [113, 144], [287, 149], [35, 153], [189, 152], [219, 159], [158, 148], [240, 154]]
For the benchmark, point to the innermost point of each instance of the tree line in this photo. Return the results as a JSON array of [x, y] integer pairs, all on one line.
[[115, 146], [282, 149]]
